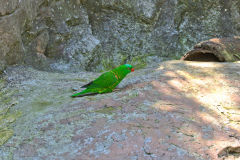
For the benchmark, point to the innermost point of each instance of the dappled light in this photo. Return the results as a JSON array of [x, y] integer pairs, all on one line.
[[208, 118], [205, 64], [204, 97], [186, 110], [119, 79]]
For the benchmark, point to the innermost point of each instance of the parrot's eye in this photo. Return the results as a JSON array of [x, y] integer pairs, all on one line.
[[129, 68]]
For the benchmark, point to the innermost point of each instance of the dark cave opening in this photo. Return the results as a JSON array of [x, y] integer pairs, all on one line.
[[202, 57]]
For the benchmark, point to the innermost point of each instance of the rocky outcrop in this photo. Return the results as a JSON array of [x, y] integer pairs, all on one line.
[[174, 110], [220, 50], [97, 35]]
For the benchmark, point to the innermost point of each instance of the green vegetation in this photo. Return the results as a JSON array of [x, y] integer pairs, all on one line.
[[138, 62], [108, 110], [7, 116], [107, 64]]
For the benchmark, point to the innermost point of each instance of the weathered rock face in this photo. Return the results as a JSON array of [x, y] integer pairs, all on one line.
[[99, 34], [216, 49], [175, 110]]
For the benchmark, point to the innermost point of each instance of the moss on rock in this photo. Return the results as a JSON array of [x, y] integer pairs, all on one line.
[[7, 116]]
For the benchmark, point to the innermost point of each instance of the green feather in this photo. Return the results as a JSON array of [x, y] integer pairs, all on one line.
[[106, 82]]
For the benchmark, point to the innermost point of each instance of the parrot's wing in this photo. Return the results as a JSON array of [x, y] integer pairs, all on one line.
[[84, 94], [104, 81], [86, 85]]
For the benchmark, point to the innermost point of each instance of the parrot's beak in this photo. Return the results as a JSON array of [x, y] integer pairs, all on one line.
[[132, 70]]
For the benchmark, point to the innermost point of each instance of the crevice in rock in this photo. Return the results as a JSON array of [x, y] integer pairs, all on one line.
[[229, 151], [9, 13], [215, 50], [235, 136], [122, 10], [145, 150], [202, 55]]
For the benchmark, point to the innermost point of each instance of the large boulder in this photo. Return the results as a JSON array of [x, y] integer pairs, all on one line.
[[175, 110], [14, 15], [216, 49], [99, 34]]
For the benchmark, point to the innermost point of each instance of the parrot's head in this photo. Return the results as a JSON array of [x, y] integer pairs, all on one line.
[[129, 67]]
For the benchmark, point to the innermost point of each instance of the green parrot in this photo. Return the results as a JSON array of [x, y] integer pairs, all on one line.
[[106, 82]]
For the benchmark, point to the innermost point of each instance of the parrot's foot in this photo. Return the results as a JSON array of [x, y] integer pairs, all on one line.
[[74, 89], [116, 89]]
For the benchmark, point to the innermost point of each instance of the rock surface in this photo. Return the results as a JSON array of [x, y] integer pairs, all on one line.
[[100, 34], [216, 49], [174, 110]]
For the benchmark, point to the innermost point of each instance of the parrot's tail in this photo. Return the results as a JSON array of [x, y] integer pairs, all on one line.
[[84, 93]]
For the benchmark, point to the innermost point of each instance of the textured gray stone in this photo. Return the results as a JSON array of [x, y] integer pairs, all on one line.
[[168, 111], [100, 34], [8, 7]]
